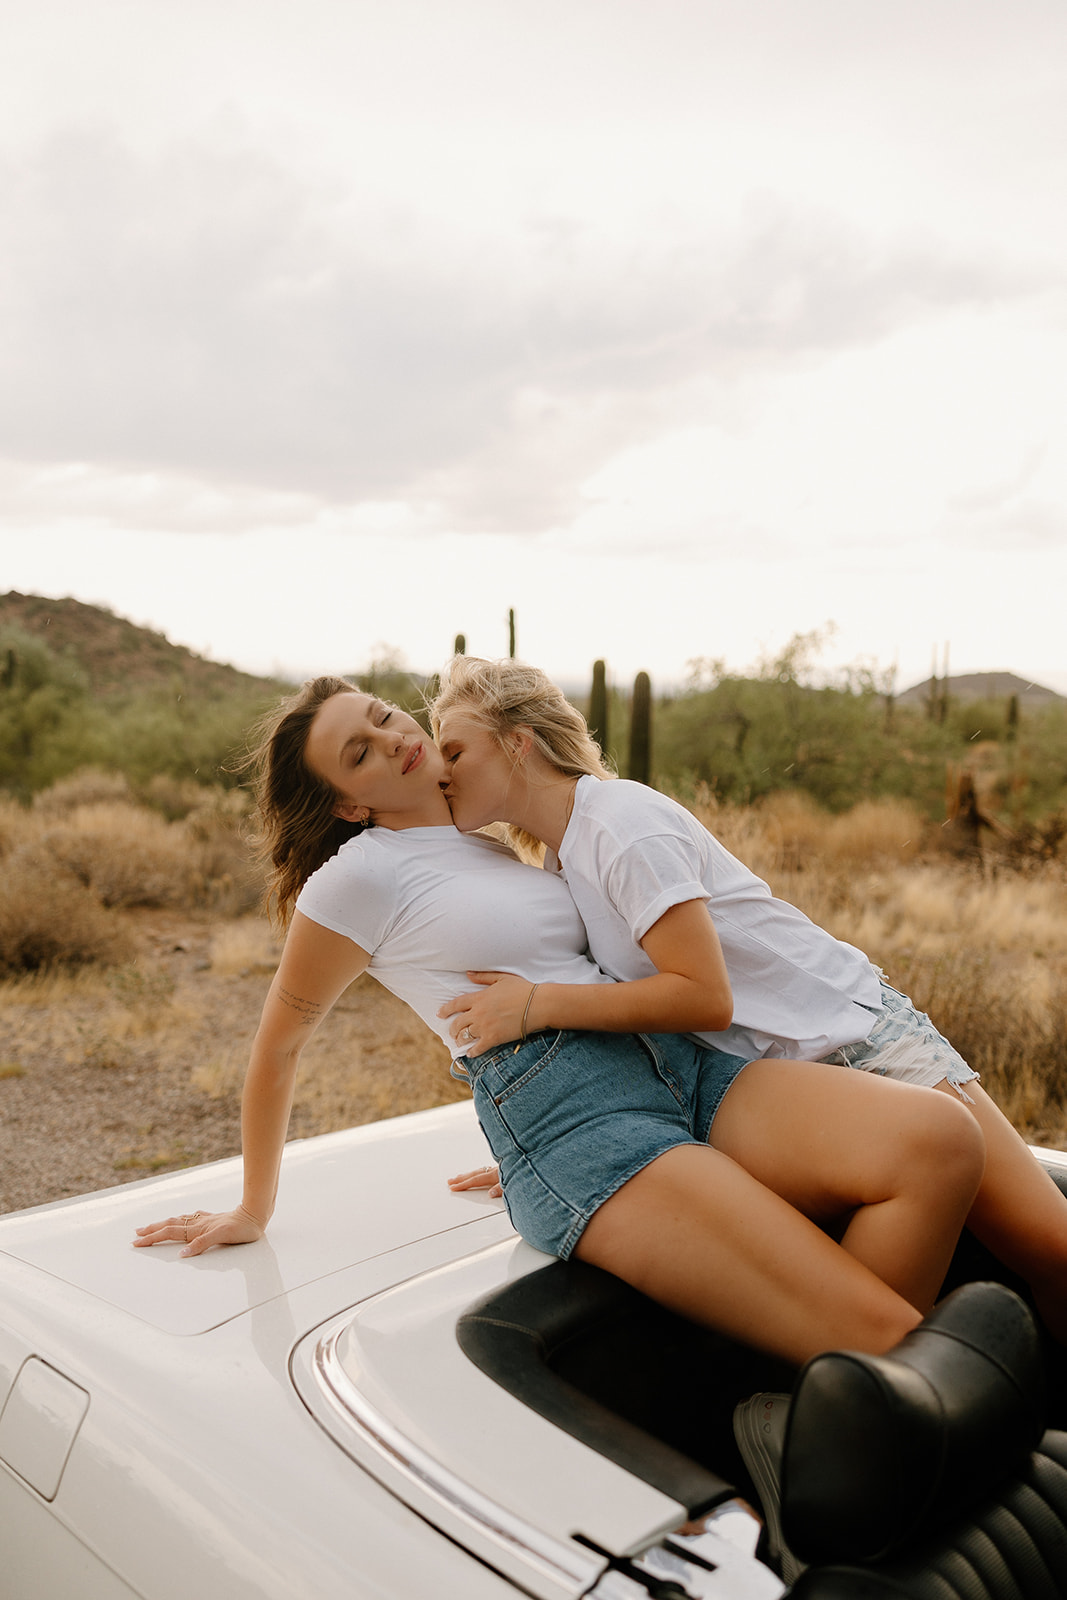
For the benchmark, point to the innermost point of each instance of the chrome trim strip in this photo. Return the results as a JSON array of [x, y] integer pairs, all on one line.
[[568, 1565]]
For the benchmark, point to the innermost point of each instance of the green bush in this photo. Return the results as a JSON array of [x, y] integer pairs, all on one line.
[[748, 737], [52, 727]]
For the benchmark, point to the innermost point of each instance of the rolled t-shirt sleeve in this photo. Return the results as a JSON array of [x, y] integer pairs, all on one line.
[[644, 878]]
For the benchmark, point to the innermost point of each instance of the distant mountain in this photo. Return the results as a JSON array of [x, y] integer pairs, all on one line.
[[982, 686], [116, 655]]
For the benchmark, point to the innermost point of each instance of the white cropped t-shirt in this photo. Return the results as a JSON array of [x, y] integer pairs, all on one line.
[[432, 904]]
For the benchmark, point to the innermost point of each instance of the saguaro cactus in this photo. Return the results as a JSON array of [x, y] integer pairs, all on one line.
[[598, 706], [641, 730], [511, 634], [460, 648]]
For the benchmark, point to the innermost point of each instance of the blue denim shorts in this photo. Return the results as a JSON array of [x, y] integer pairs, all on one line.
[[570, 1117], [904, 1044]]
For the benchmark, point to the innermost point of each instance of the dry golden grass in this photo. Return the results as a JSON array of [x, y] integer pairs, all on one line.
[[248, 945], [788, 831], [981, 948], [85, 848]]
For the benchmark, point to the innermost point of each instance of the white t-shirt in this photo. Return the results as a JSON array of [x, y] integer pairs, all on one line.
[[629, 854], [432, 904]]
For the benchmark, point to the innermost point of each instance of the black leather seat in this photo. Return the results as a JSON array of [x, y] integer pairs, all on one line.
[[924, 1473], [1012, 1546]]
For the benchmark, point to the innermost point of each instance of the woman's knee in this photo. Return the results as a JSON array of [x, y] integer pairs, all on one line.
[[947, 1138]]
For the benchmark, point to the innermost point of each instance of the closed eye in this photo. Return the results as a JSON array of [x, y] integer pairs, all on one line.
[[388, 711]]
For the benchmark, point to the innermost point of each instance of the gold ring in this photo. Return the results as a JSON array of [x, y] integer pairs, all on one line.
[[187, 1233]]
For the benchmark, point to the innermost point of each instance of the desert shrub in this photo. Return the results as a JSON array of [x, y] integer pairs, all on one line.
[[229, 877], [875, 831], [125, 855], [796, 828], [48, 919], [89, 786], [184, 846], [14, 825], [173, 797], [1011, 1027], [788, 833]]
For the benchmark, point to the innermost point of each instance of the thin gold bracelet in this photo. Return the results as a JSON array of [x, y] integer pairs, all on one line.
[[526, 1013]]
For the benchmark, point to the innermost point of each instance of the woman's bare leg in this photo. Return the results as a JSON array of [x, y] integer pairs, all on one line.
[[1018, 1212], [899, 1164], [698, 1233]]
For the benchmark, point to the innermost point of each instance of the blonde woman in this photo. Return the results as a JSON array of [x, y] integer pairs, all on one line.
[[674, 916], [661, 1158]]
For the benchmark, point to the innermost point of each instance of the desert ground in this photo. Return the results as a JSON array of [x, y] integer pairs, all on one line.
[[108, 1075]]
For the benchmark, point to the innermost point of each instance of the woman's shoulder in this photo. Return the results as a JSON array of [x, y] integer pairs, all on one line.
[[615, 801], [357, 861]]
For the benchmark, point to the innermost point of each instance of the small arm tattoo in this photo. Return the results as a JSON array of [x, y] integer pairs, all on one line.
[[310, 1011]]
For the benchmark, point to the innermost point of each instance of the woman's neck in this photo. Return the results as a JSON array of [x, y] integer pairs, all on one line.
[[432, 812], [545, 807]]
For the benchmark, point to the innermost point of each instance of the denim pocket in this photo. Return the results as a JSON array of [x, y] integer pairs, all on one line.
[[507, 1071]]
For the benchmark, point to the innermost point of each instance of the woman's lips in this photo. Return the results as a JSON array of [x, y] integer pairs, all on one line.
[[413, 758]]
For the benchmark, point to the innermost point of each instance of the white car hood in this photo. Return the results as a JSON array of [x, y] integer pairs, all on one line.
[[343, 1199]]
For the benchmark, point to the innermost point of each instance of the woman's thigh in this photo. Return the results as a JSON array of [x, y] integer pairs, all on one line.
[[570, 1118], [828, 1140], [698, 1233]]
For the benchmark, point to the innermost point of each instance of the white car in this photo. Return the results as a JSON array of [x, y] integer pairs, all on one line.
[[390, 1395]]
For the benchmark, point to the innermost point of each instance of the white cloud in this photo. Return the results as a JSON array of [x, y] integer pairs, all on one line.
[[208, 314]]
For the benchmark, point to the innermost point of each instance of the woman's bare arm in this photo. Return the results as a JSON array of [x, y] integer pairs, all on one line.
[[689, 993], [317, 966]]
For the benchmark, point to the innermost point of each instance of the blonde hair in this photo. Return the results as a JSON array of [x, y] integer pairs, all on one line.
[[298, 830], [504, 695]]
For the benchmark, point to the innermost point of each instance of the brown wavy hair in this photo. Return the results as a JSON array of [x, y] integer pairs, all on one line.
[[297, 827]]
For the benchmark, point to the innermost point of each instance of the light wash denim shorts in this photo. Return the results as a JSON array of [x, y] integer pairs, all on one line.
[[570, 1117], [904, 1044]]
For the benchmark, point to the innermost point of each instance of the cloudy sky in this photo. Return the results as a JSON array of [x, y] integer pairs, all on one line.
[[680, 326]]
